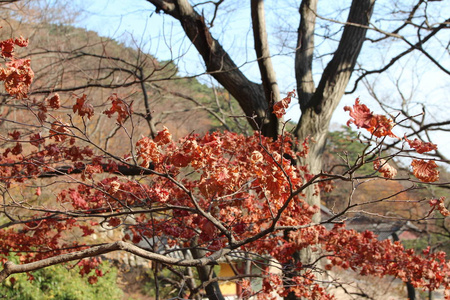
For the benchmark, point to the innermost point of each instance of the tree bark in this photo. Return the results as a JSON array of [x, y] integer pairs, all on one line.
[[304, 53], [409, 287], [205, 274], [10, 268], [268, 75]]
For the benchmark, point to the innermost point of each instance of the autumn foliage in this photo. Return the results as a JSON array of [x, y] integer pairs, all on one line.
[[17, 76], [362, 117], [221, 192]]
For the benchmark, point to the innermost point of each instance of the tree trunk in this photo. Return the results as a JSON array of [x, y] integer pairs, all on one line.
[[317, 105], [268, 76], [409, 287], [205, 274]]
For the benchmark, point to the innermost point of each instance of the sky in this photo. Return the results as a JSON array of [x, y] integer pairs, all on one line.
[[138, 25]]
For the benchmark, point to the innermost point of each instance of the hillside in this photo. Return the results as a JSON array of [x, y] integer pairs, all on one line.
[[71, 61]]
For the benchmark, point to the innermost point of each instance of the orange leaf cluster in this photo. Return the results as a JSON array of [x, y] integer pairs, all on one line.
[[362, 117], [147, 151], [54, 101], [369, 256], [83, 108], [420, 146], [17, 77], [59, 131], [440, 205], [381, 126], [163, 137], [7, 46]]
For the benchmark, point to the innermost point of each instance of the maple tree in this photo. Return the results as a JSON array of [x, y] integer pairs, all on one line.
[[214, 196]]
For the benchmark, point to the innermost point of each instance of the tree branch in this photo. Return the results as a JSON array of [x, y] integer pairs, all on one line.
[[12, 268], [266, 70], [338, 71], [317, 111], [122, 170], [416, 46], [305, 51]]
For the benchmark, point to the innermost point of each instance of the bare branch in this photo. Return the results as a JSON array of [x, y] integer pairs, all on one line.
[[268, 76], [416, 46]]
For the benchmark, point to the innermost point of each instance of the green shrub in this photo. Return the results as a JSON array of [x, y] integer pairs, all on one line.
[[61, 283]]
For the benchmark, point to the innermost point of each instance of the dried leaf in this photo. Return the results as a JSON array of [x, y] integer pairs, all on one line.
[[425, 171]]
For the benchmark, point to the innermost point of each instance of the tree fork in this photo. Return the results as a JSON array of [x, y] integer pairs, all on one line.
[[250, 95]]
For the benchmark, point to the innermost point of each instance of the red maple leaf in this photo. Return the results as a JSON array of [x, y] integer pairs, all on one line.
[[78, 200], [83, 108], [148, 151], [361, 114], [54, 102], [7, 46], [59, 131], [164, 137], [440, 205], [279, 108], [120, 107], [15, 135], [17, 77], [114, 222]]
